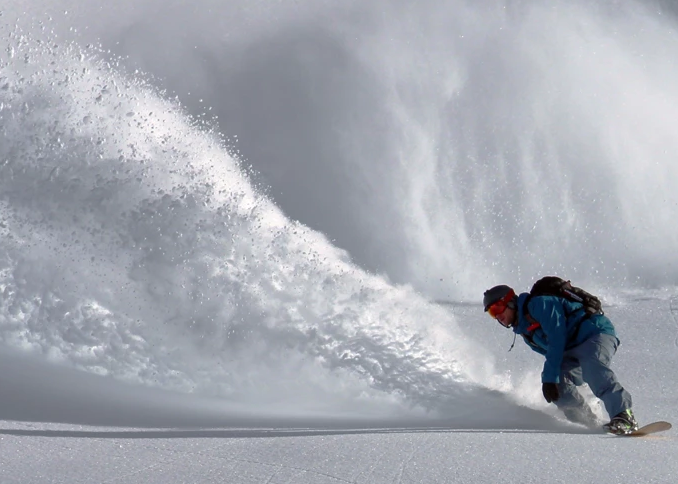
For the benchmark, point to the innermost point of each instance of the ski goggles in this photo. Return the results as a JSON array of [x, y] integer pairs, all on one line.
[[498, 308]]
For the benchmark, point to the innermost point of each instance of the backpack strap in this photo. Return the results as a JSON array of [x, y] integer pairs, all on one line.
[[534, 324]]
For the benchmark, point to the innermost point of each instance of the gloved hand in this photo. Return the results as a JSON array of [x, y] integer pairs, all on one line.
[[550, 391]]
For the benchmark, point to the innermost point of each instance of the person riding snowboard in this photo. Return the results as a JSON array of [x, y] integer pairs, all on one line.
[[578, 348]]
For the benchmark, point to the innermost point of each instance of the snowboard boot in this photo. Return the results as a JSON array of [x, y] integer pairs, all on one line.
[[622, 423]]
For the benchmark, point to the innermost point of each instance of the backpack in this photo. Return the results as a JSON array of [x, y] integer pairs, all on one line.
[[555, 286]]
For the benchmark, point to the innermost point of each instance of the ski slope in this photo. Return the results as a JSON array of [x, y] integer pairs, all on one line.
[[247, 242]]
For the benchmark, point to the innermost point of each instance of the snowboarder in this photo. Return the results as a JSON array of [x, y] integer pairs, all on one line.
[[578, 348]]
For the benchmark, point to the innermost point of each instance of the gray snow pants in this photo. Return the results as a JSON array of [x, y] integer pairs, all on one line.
[[590, 363]]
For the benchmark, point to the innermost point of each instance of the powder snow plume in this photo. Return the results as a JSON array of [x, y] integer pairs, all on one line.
[[135, 246]]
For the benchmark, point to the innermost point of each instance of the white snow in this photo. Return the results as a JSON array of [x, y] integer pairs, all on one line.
[[169, 315], [119, 433]]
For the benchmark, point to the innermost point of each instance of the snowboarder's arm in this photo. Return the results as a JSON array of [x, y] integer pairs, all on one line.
[[551, 315]]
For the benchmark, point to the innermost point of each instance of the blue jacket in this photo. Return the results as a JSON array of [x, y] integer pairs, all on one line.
[[559, 319]]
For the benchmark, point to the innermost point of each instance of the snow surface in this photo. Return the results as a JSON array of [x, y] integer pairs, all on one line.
[[124, 433], [289, 292]]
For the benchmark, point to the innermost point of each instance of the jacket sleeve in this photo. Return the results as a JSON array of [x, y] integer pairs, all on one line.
[[550, 313]]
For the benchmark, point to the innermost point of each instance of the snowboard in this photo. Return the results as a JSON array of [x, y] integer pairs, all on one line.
[[651, 428]]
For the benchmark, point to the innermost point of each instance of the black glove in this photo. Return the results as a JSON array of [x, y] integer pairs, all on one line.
[[550, 391]]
